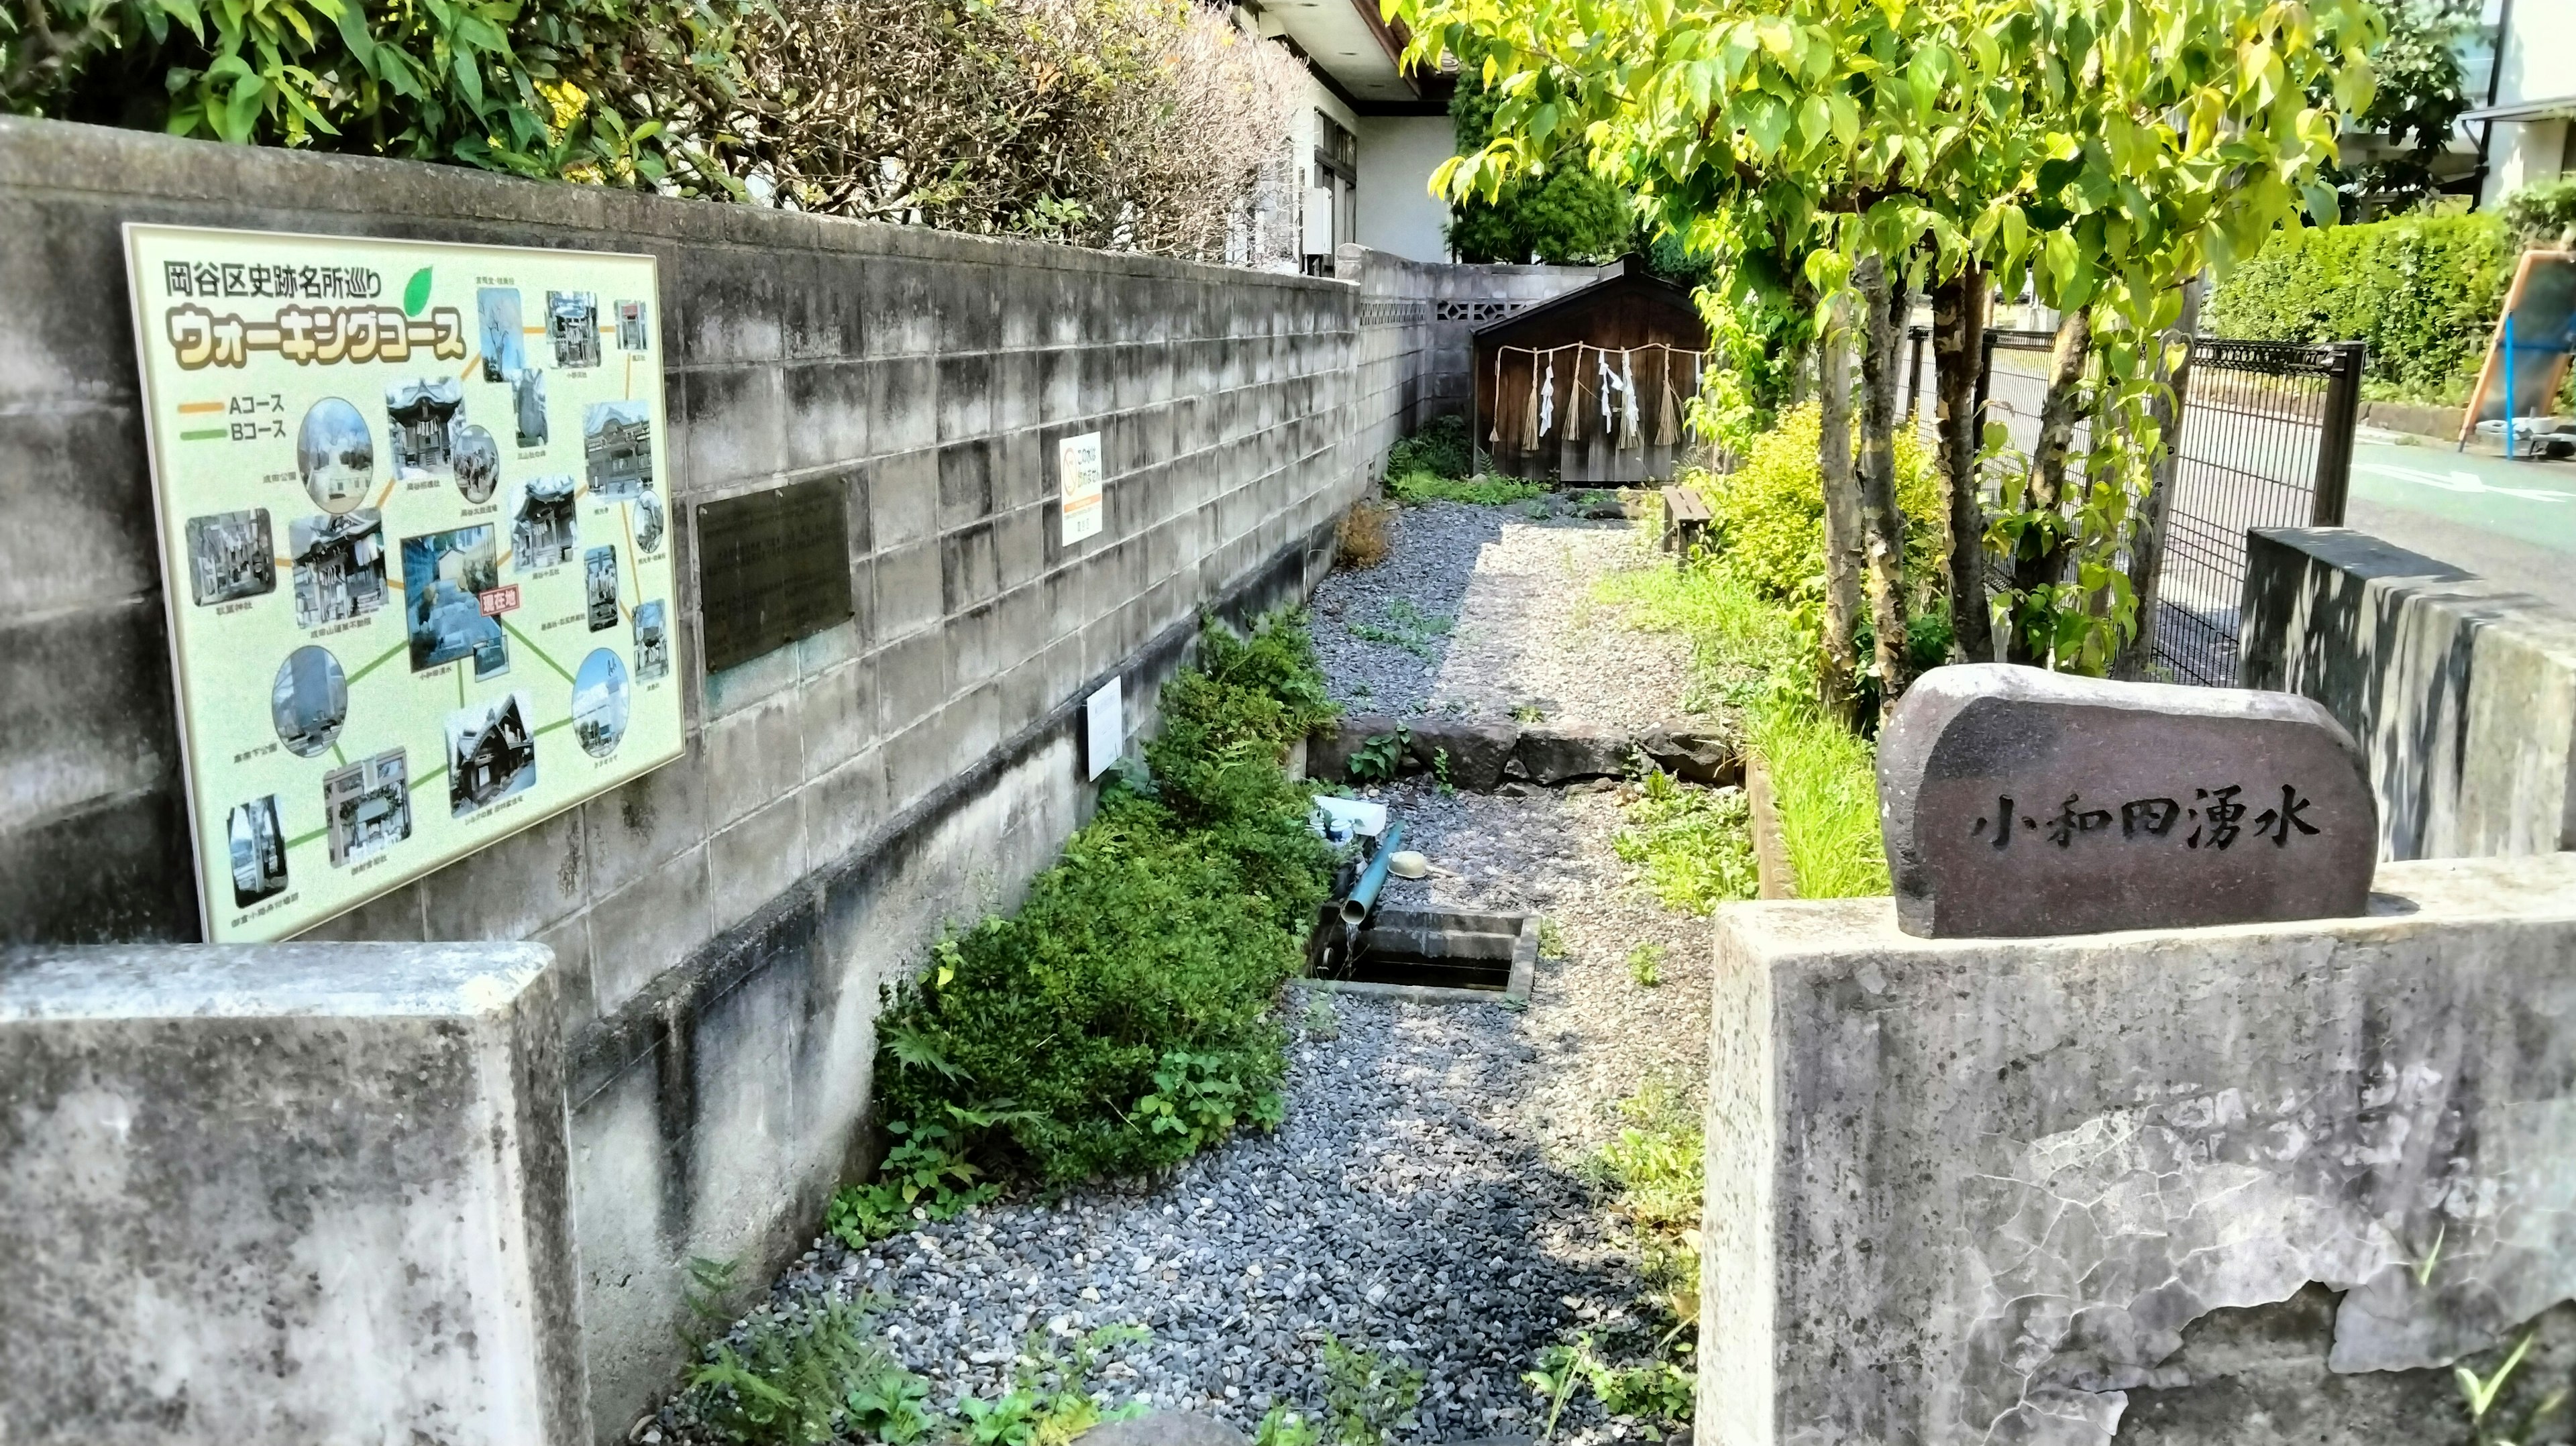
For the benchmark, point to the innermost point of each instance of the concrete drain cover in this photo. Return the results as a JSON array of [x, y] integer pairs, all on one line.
[[1428, 954]]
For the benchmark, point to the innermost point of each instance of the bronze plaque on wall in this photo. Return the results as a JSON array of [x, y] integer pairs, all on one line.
[[773, 567]]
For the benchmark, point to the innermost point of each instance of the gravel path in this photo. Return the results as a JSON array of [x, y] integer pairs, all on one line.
[[1478, 610], [1425, 1196]]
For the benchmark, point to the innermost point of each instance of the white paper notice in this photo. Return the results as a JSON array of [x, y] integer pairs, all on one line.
[[1105, 719], [1077, 466]]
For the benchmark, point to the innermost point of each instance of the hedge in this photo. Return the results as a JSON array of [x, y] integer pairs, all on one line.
[[2422, 291]]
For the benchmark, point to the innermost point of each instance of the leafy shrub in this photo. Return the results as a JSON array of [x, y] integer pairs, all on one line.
[[548, 88], [1769, 513], [1120, 1020], [2543, 214], [1441, 448], [2422, 292], [1143, 125]]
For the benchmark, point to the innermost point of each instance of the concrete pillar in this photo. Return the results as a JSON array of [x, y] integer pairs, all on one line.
[[2239, 1185], [285, 1193]]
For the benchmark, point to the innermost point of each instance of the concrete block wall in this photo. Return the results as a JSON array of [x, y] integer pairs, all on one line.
[[2461, 692], [722, 926], [1418, 321]]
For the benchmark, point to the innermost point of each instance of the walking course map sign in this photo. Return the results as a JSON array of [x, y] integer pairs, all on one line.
[[415, 538]]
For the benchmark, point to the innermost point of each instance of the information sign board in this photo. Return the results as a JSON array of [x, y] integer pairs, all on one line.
[[415, 539], [1077, 465]]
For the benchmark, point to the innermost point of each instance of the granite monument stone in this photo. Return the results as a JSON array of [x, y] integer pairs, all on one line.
[[2017, 802]]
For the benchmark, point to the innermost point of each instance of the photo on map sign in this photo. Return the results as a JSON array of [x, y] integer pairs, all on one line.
[[335, 454], [422, 418], [544, 528], [599, 703], [599, 582], [617, 444], [231, 555], [631, 332], [444, 575], [496, 308], [652, 643], [308, 701], [491, 753], [339, 566], [528, 401], [258, 850], [572, 326], [478, 464], [648, 524], [368, 807]]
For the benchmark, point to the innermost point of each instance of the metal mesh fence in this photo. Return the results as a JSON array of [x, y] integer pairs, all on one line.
[[2265, 441]]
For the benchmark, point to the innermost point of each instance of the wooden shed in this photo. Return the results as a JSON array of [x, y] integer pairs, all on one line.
[[1594, 385]]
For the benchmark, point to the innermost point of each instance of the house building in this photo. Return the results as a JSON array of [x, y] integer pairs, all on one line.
[[2525, 129], [617, 443], [486, 762], [339, 566], [422, 417], [545, 529], [1370, 136]]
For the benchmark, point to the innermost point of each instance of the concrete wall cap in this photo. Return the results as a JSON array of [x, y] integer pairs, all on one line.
[[265, 981]]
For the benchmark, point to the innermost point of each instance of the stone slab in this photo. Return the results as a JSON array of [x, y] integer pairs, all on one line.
[[2018, 802], [2045, 1191], [294, 1192]]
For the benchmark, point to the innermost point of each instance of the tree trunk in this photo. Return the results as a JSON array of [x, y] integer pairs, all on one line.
[[1842, 510], [2037, 565], [2146, 549], [1882, 524], [1958, 350]]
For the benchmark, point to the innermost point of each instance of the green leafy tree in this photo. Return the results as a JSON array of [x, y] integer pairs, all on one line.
[[1558, 213], [2102, 150], [569, 88], [2417, 102]]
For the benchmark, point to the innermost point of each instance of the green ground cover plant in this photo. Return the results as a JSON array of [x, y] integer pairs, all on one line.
[[790, 1376], [1438, 464], [1756, 657], [1693, 847], [1122, 1018], [1652, 1175]]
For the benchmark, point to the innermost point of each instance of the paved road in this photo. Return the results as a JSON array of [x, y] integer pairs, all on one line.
[[2513, 522]]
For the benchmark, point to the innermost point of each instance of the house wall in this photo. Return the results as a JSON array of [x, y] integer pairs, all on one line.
[[723, 925], [1398, 214], [2534, 66]]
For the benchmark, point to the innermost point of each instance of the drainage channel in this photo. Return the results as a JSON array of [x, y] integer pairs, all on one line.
[[1429, 955]]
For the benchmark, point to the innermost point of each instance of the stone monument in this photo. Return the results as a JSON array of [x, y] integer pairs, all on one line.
[[2017, 802]]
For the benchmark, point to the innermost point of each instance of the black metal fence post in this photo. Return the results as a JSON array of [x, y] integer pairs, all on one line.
[[2334, 442], [1915, 337]]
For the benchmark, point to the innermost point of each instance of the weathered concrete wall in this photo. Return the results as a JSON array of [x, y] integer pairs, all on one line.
[[2461, 692], [286, 1193], [723, 925], [1418, 321], [2161, 1185]]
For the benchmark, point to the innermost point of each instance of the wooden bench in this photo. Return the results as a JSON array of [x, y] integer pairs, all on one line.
[[1686, 519]]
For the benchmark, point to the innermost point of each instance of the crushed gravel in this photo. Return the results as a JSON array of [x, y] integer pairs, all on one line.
[[1480, 610], [1425, 1196]]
